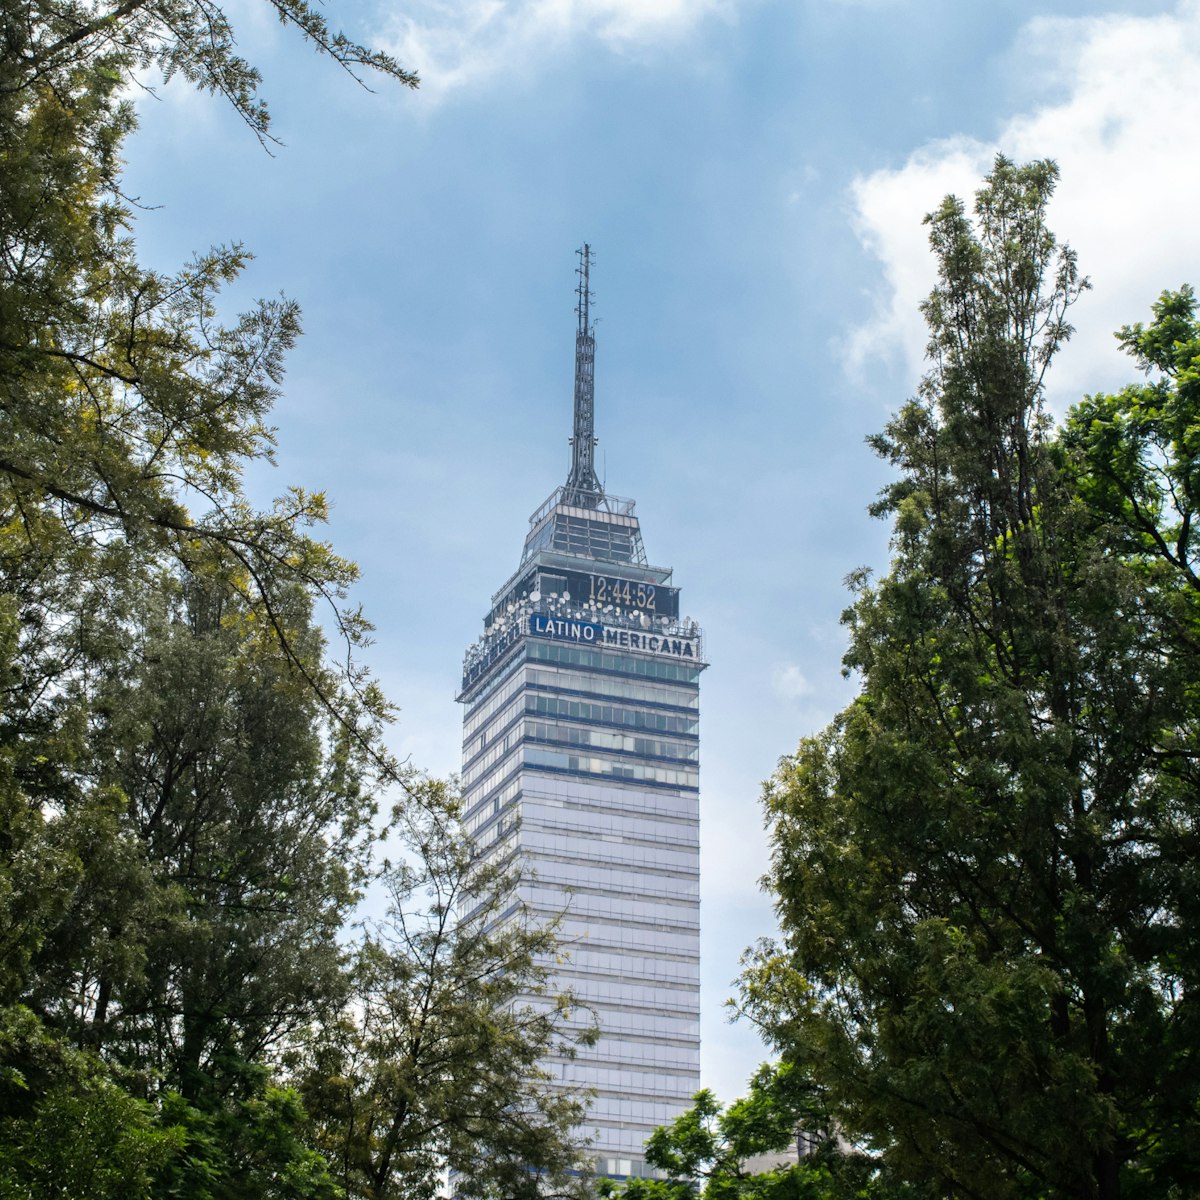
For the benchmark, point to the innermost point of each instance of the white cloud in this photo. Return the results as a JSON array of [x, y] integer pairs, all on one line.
[[789, 683], [456, 42], [1121, 128], [888, 210]]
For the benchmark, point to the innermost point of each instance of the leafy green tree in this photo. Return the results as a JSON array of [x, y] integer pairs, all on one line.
[[254, 1146], [982, 868], [186, 775], [128, 409], [252, 822], [179, 37], [196, 892], [1133, 458], [436, 1062], [123, 401], [66, 1128], [149, 972], [709, 1151]]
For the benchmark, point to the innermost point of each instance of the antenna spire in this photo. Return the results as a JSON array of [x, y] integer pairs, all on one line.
[[583, 486]]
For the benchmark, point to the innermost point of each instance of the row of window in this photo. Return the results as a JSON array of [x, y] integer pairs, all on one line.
[[650, 1031], [500, 710], [502, 834], [508, 765], [578, 937], [493, 728], [614, 886], [638, 998], [502, 689], [483, 813], [674, 900], [626, 1144], [495, 801], [575, 735], [596, 796], [592, 826], [613, 689], [653, 1085], [610, 1108], [480, 710], [669, 863], [604, 992], [618, 1167], [637, 966], [497, 831], [537, 756], [603, 739], [650, 826], [604, 660], [611, 714], [484, 762], [677, 1054], [667, 918]]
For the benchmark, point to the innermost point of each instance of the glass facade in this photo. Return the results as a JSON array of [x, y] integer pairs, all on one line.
[[580, 754]]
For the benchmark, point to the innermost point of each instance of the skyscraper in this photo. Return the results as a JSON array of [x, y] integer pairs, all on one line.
[[580, 755]]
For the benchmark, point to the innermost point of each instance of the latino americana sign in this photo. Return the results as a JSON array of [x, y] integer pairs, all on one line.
[[591, 633]]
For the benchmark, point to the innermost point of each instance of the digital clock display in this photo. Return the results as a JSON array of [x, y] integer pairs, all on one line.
[[632, 595]]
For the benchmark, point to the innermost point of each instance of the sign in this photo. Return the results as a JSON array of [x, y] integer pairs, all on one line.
[[560, 627], [592, 633], [636, 596]]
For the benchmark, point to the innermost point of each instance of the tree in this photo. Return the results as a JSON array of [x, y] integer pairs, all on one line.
[[184, 772], [66, 1128], [208, 862], [187, 777], [1133, 460], [436, 1061], [252, 823], [45, 42], [982, 867], [709, 1150], [125, 403]]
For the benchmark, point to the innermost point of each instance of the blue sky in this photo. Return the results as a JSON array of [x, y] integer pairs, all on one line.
[[751, 176]]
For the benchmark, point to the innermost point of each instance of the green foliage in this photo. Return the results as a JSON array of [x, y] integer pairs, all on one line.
[[256, 1147], [189, 892], [252, 834], [437, 1058], [179, 37], [188, 778], [126, 403], [66, 1128], [983, 866], [1138, 451], [708, 1152]]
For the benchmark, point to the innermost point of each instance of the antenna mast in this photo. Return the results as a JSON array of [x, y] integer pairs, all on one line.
[[583, 486]]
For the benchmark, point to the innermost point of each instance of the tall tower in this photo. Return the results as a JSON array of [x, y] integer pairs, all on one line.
[[580, 756]]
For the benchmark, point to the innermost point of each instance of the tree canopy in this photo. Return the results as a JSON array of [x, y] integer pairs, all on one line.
[[778, 1142], [130, 407], [192, 783], [984, 867]]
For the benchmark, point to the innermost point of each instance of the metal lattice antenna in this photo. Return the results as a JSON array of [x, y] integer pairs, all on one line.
[[583, 485]]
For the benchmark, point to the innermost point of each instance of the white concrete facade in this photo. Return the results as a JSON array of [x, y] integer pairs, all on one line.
[[580, 754]]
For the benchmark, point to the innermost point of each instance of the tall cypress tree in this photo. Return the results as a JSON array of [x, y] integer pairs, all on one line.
[[981, 955]]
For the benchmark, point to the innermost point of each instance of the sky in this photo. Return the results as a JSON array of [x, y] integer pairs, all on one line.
[[751, 176]]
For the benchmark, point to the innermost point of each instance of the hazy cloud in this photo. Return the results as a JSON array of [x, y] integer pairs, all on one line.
[[457, 42], [1120, 127], [789, 683]]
